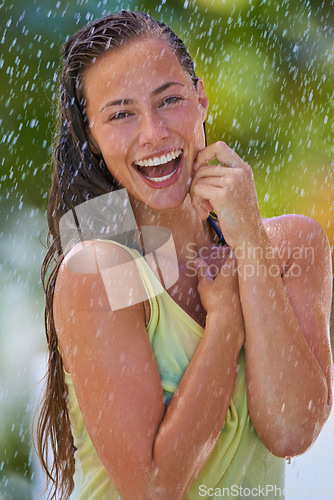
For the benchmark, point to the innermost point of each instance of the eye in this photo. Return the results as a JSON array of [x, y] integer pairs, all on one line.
[[120, 115], [173, 99]]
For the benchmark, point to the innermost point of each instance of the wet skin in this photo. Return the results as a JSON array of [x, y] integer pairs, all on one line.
[[141, 111], [166, 113]]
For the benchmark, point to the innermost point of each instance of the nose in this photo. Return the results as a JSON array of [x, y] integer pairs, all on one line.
[[153, 130]]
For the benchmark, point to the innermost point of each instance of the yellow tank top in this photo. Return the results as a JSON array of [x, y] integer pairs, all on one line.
[[240, 465]]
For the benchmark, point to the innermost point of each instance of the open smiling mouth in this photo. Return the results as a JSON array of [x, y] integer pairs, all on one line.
[[160, 169]]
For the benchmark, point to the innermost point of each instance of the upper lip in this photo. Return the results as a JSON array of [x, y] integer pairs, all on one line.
[[161, 155]]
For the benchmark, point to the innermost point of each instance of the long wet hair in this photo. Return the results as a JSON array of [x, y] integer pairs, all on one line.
[[80, 174]]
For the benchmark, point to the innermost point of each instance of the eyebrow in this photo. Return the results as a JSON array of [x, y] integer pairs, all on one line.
[[122, 102]]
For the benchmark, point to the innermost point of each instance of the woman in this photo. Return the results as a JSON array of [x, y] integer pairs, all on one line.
[[212, 384]]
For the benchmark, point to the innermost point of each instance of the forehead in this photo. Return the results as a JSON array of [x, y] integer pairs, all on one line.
[[140, 64]]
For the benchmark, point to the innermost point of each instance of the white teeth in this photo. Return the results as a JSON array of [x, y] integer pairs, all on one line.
[[159, 160], [163, 178]]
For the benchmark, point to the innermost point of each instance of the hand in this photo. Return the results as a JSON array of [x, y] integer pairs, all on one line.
[[229, 189], [220, 295]]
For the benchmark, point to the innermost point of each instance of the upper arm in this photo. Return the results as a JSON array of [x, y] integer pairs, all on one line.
[[112, 365], [308, 283]]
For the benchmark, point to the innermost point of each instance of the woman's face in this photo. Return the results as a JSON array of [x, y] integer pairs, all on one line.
[[146, 119]]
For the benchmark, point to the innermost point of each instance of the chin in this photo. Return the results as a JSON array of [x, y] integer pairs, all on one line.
[[169, 198], [164, 203]]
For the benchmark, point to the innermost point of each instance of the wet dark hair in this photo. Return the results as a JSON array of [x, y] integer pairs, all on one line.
[[79, 174]]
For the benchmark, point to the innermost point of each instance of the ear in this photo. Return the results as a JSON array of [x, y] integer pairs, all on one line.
[[202, 98]]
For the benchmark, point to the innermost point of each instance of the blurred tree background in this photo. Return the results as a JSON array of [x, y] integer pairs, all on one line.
[[268, 72]]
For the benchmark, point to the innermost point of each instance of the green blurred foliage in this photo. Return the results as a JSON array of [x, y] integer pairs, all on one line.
[[268, 71], [15, 454]]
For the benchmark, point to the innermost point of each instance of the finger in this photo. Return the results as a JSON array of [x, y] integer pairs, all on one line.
[[212, 171], [212, 181], [203, 207], [202, 199], [223, 153], [218, 150], [215, 173], [207, 191], [229, 178]]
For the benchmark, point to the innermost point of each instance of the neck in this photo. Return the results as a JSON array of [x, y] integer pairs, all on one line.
[[183, 222]]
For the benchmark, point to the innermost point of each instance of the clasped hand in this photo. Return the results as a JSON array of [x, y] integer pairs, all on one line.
[[229, 189]]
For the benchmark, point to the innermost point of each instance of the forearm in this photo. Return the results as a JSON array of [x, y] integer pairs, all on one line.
[[287, 390], [197, 411]]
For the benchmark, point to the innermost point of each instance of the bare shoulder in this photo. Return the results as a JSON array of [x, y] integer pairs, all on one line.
[[296, 228], [82, 274], [87, 256], [98, 280], [298, 237]]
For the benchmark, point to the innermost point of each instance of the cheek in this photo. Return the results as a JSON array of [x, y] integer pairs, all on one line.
[[114, 144], [189, 116], [199, 132], [117, 173], [195, 131], [191, 121]]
